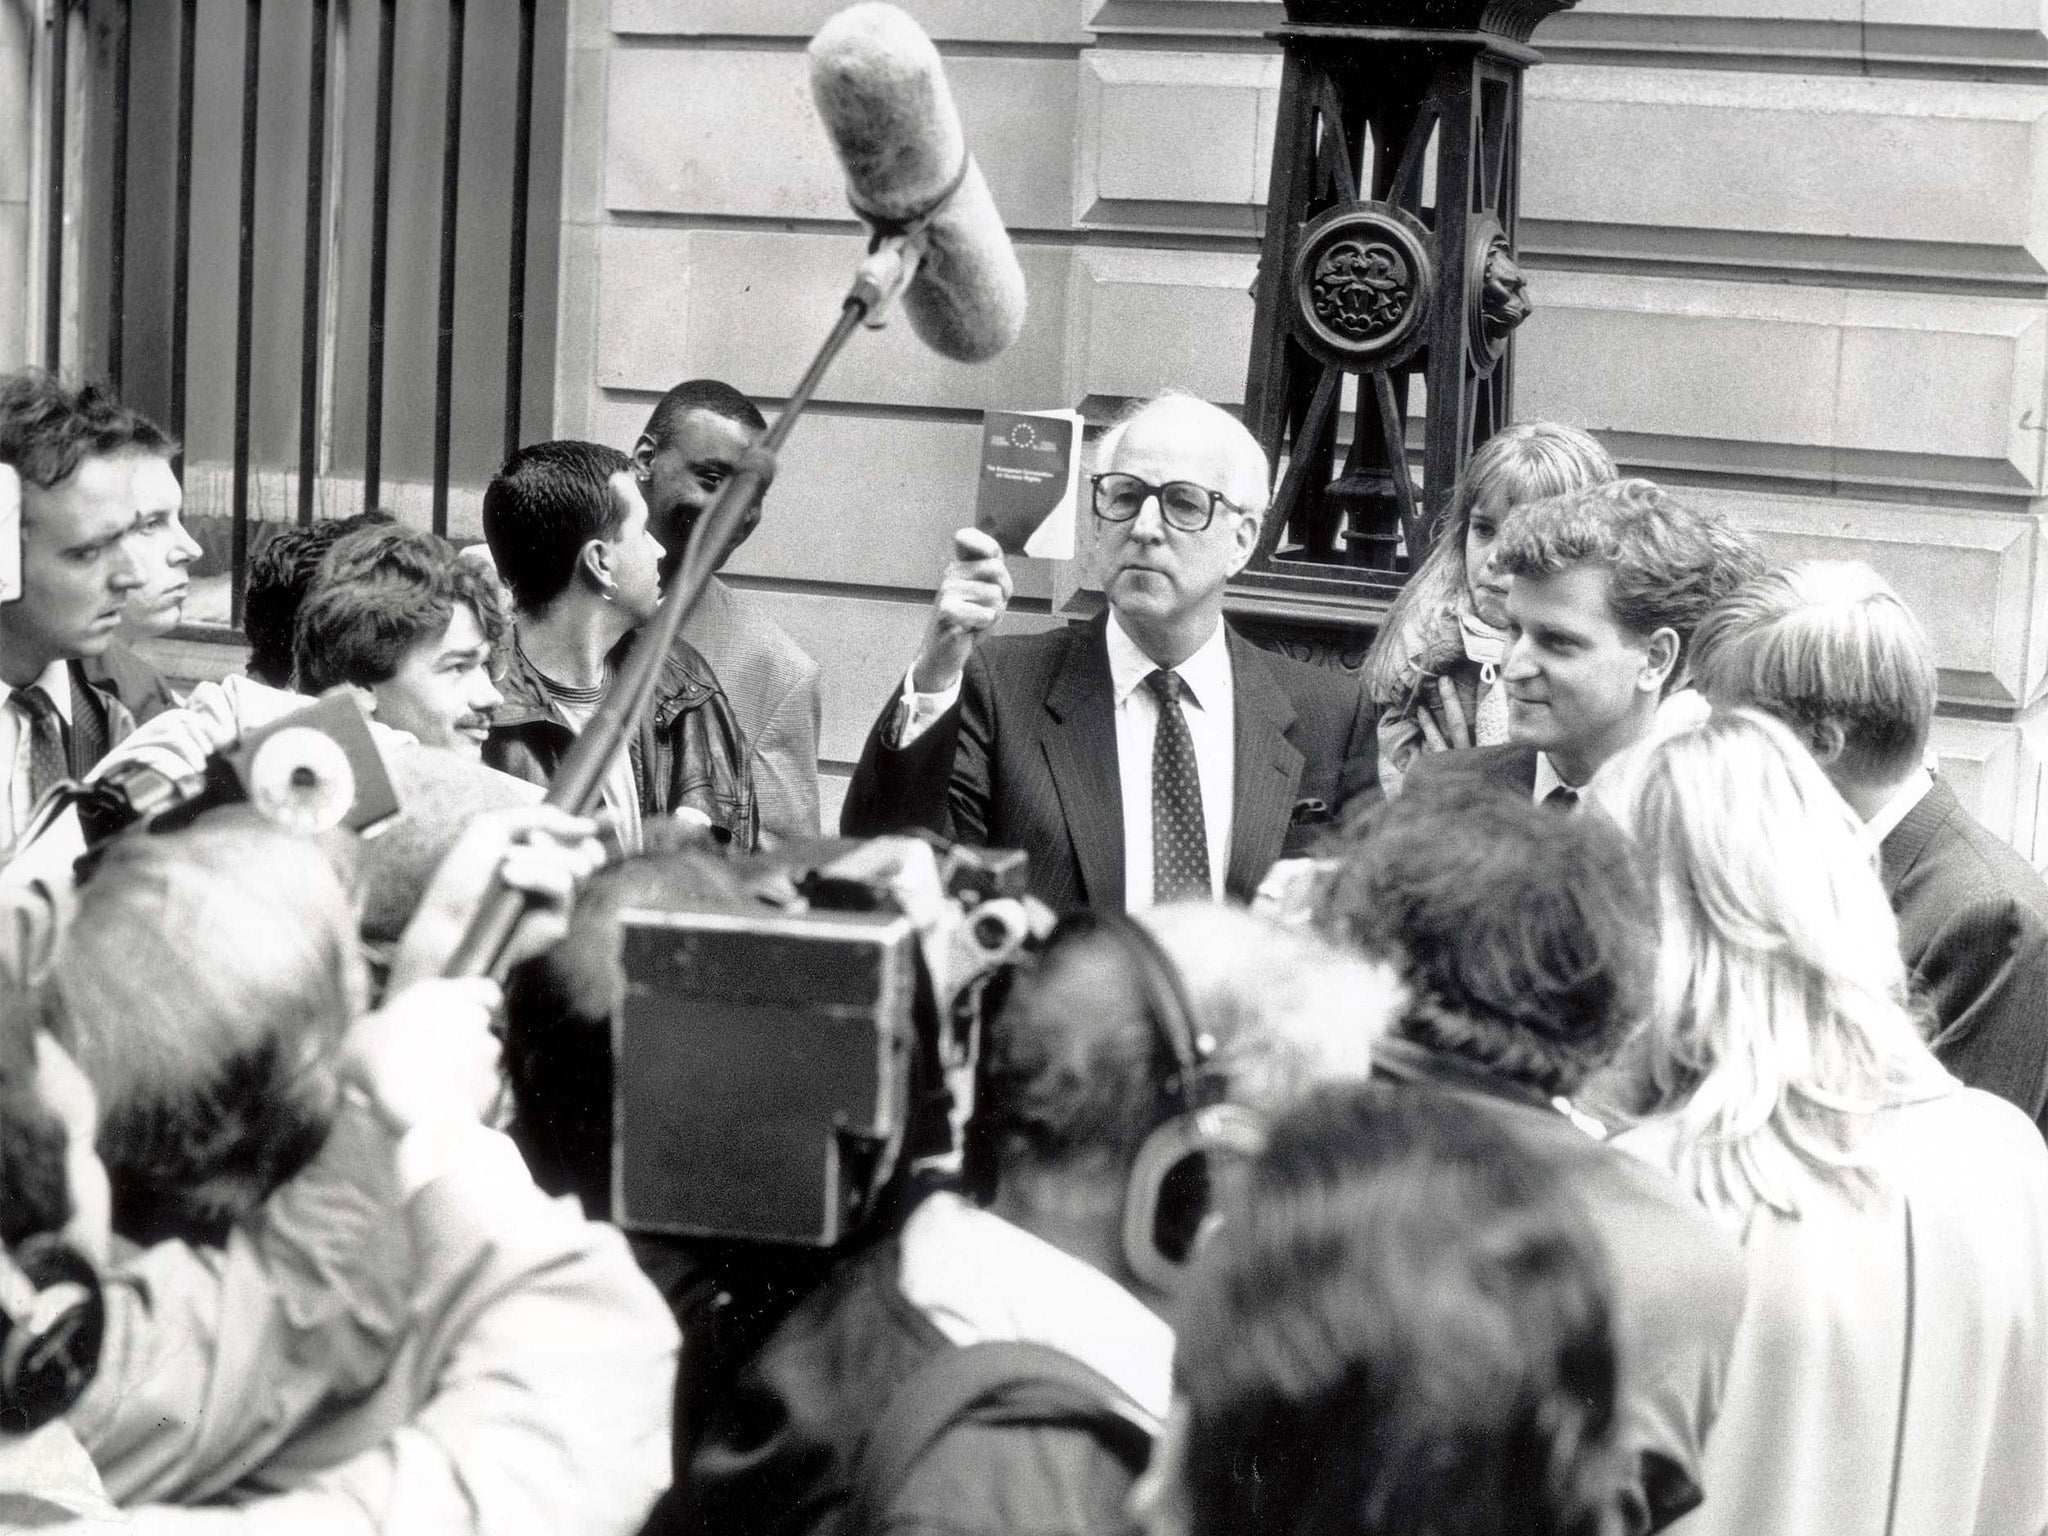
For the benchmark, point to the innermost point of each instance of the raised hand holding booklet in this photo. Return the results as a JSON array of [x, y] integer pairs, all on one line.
[[1030, 481]]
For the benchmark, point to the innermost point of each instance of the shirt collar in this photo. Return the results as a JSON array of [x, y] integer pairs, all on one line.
[[980, 1278], [1206, 673], [1896, 809], [56, 682], [1548, 778]]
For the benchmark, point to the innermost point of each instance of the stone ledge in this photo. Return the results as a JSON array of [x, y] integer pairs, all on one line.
[[730, 131], [1929, 389], [1017, 21]]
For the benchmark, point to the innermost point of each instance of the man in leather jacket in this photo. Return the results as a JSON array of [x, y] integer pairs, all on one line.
[[568, 531]]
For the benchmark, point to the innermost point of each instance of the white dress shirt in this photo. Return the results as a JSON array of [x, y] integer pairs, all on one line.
[[14, 749], [1208, 704], [1548, 778], [1895, 810]]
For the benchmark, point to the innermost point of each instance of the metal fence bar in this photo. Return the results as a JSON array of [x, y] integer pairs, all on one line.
[[181, 226], [245, 300], [53, 233], [444, 360], [316, 210], [515, 288], [117, 216], [380, 239]]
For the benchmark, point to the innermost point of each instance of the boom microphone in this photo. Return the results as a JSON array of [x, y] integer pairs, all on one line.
[[879, 87]]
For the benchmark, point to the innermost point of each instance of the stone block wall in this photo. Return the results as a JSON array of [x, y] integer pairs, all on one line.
[[1792, 254]]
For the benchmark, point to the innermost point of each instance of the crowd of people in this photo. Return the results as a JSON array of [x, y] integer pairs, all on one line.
[[1584, 1074]]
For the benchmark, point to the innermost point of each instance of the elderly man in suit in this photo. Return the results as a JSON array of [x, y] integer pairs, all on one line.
[[1153, 754], [1606, 586], [1829, 648]]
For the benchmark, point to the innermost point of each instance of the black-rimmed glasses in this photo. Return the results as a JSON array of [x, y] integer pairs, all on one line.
[[1184, 505]]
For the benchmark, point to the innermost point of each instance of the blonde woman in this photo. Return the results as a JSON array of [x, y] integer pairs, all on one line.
[[1433, 668], [1891, 1373]]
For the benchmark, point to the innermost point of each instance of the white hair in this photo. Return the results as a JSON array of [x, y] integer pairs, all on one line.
[[1250, 484], [1289, 1009]]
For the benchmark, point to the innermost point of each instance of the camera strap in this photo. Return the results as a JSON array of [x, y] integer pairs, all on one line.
[[1031, 1382]]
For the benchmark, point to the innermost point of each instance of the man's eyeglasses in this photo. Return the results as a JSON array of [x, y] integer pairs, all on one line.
[[1183, 504]]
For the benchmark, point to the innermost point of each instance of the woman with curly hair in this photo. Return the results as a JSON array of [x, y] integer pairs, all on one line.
[[1891, 1372], [1432, 670]]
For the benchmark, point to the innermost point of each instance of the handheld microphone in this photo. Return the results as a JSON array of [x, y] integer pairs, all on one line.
[[879, 87]]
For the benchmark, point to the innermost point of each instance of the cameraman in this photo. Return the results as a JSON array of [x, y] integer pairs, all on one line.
[[525, 1367], [1078, 1076]]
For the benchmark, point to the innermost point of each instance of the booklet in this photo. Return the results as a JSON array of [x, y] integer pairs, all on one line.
[[1030, 481]]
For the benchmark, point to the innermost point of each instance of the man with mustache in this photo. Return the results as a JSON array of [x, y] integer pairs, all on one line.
[[1153, 754], [397, 614], [80, 563]]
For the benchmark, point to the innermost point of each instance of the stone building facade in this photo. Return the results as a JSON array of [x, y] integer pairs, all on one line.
[[1789, 254]]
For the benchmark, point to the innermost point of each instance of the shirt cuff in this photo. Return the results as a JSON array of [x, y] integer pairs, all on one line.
[[917, 712]]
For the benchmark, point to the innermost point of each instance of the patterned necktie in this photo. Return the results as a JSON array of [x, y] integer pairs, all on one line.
[[1562, 798], [47, 762], [1180, 836]]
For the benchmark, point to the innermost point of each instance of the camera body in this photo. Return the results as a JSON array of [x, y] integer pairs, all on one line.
[[774, 1069], [763, 1078]]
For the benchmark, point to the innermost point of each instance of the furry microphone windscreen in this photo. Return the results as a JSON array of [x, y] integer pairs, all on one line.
[[883, 95]]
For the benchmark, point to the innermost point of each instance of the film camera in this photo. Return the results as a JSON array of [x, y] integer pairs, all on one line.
[[775, 1068], [311, 770]]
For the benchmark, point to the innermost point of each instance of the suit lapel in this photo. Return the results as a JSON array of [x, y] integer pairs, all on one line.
[[1268, 766], [1080, 752], [1903, 845]]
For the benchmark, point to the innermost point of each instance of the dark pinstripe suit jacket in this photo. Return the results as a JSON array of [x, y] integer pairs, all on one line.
[[1028, 760], [1973, 928]]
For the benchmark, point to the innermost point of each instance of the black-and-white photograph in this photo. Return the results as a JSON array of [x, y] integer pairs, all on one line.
[[1023, 767]]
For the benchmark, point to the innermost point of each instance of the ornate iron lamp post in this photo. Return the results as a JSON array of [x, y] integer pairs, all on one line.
[[1388, 261]]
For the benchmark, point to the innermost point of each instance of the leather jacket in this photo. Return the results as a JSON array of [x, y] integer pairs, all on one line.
[[688, 752]]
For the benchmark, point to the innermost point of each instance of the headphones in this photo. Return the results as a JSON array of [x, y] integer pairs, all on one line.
[[1169, 1197], [53, 1321]]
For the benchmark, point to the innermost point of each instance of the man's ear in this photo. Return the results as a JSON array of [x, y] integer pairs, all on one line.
[[594, 561], [1247, 540], [1826, 740], [365, 697], [643, 455], [1660, 660]]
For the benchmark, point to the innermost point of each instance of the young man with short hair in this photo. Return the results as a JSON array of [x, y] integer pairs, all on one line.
[[568, 530], [396, 613], [694, 442], [1606, 587], [1830, 649], [281, 572], [165, 552], [80, 563]]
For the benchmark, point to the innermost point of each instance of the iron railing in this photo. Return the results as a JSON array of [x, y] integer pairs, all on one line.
[[117, 320]]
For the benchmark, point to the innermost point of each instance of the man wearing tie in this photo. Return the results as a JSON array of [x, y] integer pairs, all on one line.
[[1606, 586], [1153, 754], [73, 453]]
